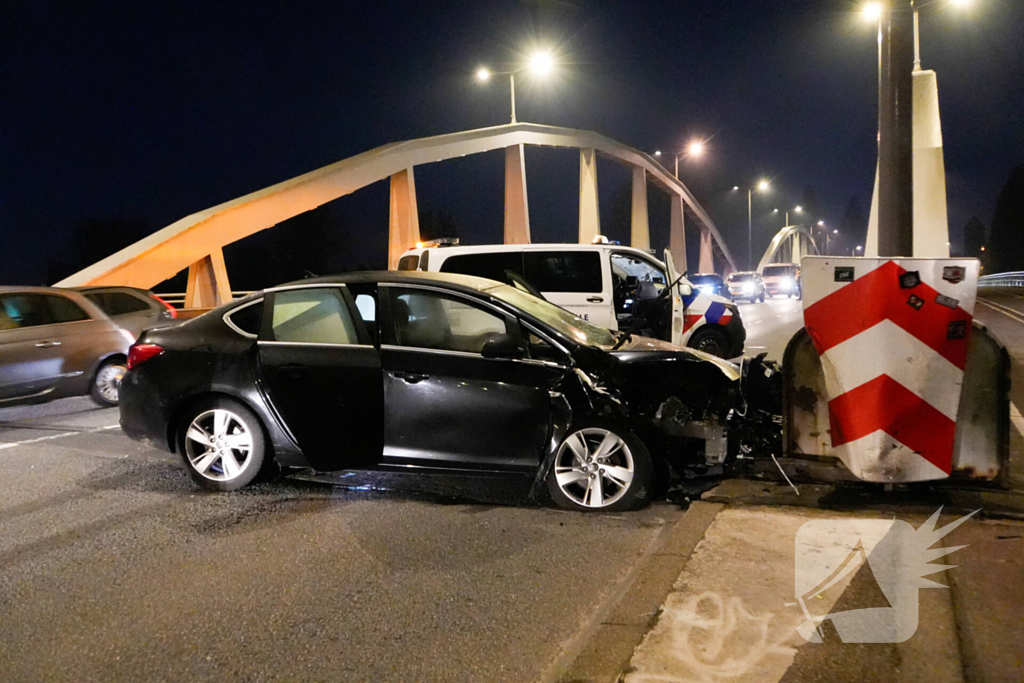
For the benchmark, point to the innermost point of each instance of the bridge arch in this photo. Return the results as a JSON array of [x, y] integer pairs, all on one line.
[[791, 243], [196, 241]]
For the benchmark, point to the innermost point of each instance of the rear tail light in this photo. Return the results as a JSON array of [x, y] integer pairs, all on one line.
[[140, 353], [170, 309]]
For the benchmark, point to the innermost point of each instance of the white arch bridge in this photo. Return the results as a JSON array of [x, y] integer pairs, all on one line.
[[789, 245], [195, 242]]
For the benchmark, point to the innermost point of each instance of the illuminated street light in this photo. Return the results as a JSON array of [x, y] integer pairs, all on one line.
[[821, 224], [696, 148], [872, 11], [735, 188], [540, 63], [657, 153]]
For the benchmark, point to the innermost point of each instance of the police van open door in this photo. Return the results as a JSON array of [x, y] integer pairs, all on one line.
[[682, 291]]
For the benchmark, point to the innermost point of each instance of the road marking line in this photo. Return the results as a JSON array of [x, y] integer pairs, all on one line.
[[12, 444], [1005, 310], [38, 439]]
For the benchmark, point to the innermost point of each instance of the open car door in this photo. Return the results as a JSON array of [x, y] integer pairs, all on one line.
[[678, 303]]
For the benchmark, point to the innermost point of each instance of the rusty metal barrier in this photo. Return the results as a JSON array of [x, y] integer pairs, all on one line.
[[981, 449]]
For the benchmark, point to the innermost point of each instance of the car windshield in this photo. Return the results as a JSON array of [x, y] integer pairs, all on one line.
[[570, 325], [741, 277], [776, 271], [706, 280]]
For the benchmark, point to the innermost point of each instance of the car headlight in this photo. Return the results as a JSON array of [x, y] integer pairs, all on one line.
[[787, 283], [748, 288]]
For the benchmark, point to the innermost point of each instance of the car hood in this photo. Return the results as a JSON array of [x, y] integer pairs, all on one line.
[[638, 349]]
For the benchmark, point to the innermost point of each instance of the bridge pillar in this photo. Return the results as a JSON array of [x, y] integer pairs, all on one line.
[[517, 208], [208, 285], [707, 254], [590, 214], [404, 223], [677, 235], [640, 228]]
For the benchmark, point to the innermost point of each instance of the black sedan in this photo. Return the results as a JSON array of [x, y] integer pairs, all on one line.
[[417, 370]]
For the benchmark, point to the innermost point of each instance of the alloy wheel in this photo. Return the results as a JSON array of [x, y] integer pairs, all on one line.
[[218, 445], [594, 467], [108, 381]]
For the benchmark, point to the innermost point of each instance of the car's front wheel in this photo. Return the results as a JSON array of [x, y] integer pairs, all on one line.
[[601, 468], [222, 444], [710, 340]]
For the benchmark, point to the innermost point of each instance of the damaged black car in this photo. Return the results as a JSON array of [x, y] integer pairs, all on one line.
[[424, 371]]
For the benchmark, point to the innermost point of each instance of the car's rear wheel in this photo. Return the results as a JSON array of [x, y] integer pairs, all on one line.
[[222, 444], [710, 340], [106, 384], [601, 468]]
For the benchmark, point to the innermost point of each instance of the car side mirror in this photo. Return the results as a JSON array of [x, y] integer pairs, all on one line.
[[502, 346], [685, 290]]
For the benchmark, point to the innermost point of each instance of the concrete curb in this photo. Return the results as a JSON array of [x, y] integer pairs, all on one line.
[[602, 650]]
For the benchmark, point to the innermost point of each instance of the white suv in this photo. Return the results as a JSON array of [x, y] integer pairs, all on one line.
[[606, 284]]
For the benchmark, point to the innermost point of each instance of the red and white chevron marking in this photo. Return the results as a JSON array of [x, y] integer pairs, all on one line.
[[892, 371]]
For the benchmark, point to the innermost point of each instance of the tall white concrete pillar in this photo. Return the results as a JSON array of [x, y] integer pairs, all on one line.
[[404, 224], [208, 285], [677, 235], [517, 207], [640, 229], [931, 219], [707, 252], [590, 214]]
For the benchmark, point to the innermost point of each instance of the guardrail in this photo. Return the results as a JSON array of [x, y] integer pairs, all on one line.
[[178, 299], [1015, 279]]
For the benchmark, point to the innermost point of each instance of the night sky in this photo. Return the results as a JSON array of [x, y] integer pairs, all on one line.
[[142, 113]]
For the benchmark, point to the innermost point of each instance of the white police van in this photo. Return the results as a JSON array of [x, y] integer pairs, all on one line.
[[606, 284]]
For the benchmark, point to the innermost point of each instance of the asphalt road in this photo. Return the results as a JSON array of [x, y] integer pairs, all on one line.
[[113, 566]]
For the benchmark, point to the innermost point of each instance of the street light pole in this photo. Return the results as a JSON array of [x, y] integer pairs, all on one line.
[[512, 85], [750, 228]]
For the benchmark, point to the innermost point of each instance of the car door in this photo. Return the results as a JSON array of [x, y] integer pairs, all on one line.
[[577, 280], [30, 360], [322, 375], [683, 295], [445, 404]]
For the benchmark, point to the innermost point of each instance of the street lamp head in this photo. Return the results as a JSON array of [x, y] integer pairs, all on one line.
[[735, 188], [799, 209], [483, 74], [962, 3], [541, 63], [775, 210], [821, 224], [696, 148], [860, 248], [763, 186], [835, 232], [873, 11], [657, 153]]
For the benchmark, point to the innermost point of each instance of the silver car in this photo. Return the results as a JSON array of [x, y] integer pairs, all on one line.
[[132, 308], [56, 343]]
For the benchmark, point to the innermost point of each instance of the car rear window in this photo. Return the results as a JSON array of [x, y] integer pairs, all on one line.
[[745, 277], [313, 316], [410, 262], [491, 266], [563, 271], [117, 303]]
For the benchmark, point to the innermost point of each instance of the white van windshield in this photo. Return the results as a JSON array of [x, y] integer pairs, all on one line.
[[570, 325]]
